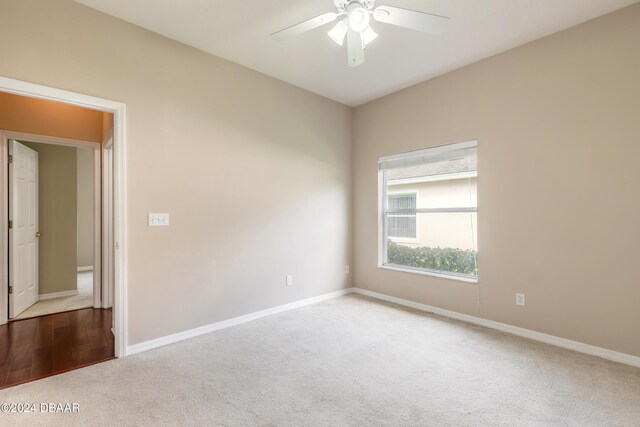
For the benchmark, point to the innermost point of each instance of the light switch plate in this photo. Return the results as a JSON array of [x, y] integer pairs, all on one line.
[[158, 219]]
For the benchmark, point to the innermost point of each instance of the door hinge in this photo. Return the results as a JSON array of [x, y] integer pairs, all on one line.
[[10, 158], [10, 290], [10, 224]]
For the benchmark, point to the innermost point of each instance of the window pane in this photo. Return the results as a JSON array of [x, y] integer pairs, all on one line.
[[452, 193], [456, 192], [402, 201], [402, 226], [444, 242], [441, 179]]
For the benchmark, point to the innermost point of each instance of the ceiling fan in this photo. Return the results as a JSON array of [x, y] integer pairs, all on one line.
[[354, 24]]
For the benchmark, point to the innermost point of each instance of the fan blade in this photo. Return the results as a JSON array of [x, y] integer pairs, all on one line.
[[419, 21], [305, 26], [355, 48]]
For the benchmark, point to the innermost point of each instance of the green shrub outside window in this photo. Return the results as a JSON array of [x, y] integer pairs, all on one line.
[[446, 260]]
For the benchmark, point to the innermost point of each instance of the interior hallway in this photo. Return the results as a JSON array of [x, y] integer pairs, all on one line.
[[84, 299]]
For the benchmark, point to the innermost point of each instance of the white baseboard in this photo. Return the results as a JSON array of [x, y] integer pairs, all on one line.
[[53, 295], [85, 268], [191, 333], [604, 353]]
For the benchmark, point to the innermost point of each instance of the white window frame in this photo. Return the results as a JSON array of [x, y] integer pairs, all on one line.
[[406, 239], [382, 211]]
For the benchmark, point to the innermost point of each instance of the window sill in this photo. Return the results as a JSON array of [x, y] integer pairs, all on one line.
[[429, 273]]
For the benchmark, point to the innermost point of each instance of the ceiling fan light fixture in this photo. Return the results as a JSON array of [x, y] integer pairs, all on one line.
[[339, 32], [353, 19], [368, 36], [358, 19]]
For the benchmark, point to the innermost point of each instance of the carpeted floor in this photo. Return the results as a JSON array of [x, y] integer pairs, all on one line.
[[344, 362]]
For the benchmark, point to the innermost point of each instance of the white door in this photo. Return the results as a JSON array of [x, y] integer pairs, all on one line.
[[23, 217]]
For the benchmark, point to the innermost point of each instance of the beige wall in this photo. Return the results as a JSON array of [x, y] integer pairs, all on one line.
[[201, 133], [22, 114], [57, 217], [85, 206], [557, 128]]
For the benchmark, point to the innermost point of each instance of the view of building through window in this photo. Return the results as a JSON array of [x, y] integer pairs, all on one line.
[[402, 226], [430, 210]]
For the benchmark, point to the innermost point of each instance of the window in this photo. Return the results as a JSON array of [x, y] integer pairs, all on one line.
[[436, 189], [402, 226]]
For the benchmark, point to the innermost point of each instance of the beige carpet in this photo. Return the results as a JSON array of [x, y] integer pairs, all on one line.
[[83, 299], [344, 362]]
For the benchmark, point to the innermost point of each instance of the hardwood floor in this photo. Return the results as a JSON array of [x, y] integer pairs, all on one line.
[[43, 346]]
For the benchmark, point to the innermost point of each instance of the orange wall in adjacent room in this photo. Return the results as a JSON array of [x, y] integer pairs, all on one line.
[[37, 116]]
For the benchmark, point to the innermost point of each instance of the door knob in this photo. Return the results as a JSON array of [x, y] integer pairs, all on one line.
[[37, 234]]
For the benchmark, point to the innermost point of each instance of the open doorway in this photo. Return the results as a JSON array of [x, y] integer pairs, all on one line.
[[57, 187], [63, 236]]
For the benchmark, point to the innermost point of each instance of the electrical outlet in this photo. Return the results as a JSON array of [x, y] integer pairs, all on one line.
[[289, 280], [520, 300], [347, 269], [158, 219]]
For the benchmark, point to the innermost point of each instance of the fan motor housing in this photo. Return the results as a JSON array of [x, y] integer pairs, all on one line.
[[343, 5]]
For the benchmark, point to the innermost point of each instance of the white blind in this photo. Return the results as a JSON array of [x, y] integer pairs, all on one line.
[[442, 154]]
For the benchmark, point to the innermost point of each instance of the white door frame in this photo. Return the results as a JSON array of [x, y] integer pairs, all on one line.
[[107, 223], [118, 109], [5, 135]]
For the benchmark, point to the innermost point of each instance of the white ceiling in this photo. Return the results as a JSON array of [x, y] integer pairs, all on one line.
[[239, 31]]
